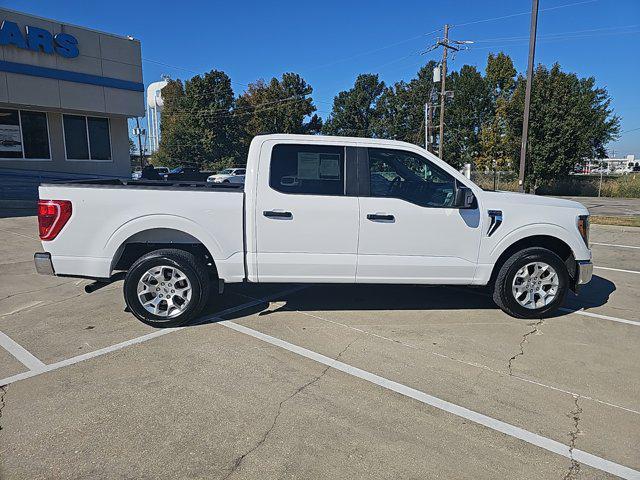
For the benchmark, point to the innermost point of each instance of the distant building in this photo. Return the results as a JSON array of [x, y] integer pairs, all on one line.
[[66, 93], [613, 165]]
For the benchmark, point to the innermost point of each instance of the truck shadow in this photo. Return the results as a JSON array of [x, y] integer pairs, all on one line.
[[375, 297]]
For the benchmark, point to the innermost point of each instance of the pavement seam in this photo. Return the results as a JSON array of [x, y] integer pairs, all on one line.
[[36, 290], [535, 330], [574, 469], [238, 461]]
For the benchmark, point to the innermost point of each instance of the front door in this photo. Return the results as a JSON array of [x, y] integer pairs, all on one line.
[[306, 225], [409, 230]]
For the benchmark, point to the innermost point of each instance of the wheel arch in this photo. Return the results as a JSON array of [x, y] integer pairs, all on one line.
[[142, 235], [550, 242]]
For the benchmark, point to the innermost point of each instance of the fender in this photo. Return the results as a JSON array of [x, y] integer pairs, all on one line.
[[174, 222], [573, 240]]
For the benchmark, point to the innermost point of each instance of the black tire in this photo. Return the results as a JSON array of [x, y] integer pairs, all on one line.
[[186, 262], [502, 289]]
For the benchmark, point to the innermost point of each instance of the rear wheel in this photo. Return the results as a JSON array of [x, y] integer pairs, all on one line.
[[166, 288], [532, 283]]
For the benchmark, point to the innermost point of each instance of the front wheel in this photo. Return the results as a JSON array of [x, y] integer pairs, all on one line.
[[166, 288], [532, 283]]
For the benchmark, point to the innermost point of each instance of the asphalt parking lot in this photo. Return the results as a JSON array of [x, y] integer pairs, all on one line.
[[290, 381]]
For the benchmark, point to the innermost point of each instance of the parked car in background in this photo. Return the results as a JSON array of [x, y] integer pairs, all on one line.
[[228, 175], [320, 210], [186, 173], [159, 172]]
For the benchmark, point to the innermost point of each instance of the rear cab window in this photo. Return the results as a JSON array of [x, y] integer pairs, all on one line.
[[308, 169]]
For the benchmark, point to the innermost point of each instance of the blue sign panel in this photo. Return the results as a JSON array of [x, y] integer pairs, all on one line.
[[38, 40]]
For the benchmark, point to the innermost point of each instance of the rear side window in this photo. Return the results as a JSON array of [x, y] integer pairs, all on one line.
[[307, 169]]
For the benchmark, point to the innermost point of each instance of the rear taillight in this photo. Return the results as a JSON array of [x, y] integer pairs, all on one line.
[[52, 216]]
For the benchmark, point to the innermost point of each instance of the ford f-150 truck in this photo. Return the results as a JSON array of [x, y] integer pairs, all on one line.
[[315, 209]]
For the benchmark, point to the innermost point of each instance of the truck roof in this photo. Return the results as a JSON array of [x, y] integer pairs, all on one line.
[[331, 138]]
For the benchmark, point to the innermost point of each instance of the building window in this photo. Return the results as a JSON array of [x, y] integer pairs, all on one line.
[[24, 135], [87, 138]]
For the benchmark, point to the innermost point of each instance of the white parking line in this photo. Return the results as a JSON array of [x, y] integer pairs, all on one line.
[[36, 367], [479, 418], [617, 269], [564, 309], [20, 353], [465, 362], [600, 316], [614, 245]]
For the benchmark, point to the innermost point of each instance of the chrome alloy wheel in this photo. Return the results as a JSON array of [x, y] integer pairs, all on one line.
[[535, 285], [164, 291]]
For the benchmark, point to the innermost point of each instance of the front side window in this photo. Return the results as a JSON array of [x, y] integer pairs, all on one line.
[[410, 177], [24, 134], [307, 169], [87, 138]]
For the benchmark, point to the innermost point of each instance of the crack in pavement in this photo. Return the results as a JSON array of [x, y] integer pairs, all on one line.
[[238, 461], [574, 470], [3, 392], [36, 290], [535, 326]]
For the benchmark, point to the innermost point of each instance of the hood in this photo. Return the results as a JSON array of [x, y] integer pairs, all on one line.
[[496, 199]]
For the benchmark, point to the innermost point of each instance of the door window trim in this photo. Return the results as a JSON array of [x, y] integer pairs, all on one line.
[[364, 180]]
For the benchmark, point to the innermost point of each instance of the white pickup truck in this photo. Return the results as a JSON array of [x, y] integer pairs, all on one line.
[[319, 210]]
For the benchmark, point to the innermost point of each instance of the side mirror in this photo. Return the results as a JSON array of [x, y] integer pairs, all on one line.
[[464, 197]]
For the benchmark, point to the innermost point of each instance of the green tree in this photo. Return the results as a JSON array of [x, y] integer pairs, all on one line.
[[400, 108], [197, 121], [571, 119], [498, 141], [470, 107], [279, 106], [500, 74], [354, 110]]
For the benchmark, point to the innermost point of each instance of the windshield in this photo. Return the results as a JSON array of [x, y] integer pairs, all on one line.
[[227, 171]]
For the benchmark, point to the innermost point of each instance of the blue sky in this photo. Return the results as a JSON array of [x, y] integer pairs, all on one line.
[[330, 42]]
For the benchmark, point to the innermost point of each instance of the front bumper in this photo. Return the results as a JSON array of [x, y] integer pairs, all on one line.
[[584, 272], [43, 263]]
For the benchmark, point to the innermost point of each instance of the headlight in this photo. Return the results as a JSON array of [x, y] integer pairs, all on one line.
[[583, 228]]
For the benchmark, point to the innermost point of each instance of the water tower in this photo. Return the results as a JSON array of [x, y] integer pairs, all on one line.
[[154, 109]]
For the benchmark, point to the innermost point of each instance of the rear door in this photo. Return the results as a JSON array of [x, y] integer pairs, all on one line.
[[409, 230], [306, 224]]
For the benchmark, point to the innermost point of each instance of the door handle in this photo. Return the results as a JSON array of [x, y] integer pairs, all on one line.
[[380, 217], [276, 214]]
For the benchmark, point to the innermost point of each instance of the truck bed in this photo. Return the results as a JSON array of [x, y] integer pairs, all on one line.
[[108, 214], [147, 184]]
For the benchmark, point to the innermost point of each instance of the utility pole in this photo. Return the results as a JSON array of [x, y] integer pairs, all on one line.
[[447, 45], [527, 95], [428, 126], [443, 81], [139, 133]]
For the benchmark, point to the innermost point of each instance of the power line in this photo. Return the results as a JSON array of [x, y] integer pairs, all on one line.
[[369, 52], [187, 70], [554, 40], [550, 35], [503, 17]]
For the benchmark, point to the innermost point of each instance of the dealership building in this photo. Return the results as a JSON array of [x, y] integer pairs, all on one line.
[[66, 93]]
